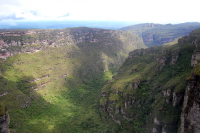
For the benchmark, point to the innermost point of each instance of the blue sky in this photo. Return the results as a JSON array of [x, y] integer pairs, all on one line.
[[156, 11]]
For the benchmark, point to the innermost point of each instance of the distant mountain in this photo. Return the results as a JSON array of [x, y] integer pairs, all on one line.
[[63, 24], [158, 34]]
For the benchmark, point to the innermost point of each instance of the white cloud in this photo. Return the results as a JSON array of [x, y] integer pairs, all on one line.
[[159, 11]]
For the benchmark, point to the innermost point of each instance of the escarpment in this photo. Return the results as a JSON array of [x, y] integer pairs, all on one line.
[[190, 115], [150, 89], [29, 41], [4, 119]]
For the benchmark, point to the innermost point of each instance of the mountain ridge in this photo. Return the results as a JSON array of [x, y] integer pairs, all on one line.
[[158, 34]]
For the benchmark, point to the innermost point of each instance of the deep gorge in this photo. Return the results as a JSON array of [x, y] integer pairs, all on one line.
[[97, 80]]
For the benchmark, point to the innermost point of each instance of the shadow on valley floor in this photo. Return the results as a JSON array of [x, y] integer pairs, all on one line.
[[60, 92], [82, 91]]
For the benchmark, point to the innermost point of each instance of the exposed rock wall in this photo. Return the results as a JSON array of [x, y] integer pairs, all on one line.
[[195, 58], [174, 59], [190, 116], [4, 119], [29, 41], [150, 38]]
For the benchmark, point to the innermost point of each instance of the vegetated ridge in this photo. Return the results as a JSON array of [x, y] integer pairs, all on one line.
[[50, 79], [154, 90], [158, 34]]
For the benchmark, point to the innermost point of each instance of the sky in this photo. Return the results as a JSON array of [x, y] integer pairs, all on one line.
[[155, 11]]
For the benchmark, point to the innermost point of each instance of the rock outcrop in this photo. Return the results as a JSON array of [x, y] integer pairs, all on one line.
[[190, 116], [174, 59], [4, 119], [195, 58], [29, 41]]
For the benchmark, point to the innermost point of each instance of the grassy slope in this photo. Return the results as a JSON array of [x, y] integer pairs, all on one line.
[[149, 98], [175, 41], [63, 85]]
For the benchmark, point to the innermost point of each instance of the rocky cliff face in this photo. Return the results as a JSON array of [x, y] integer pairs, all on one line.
[[4, 119], [149, 90], [154, 39], [29, 41], [190, 116]]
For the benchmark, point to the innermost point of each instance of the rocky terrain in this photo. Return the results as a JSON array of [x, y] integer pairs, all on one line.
[[191, 112], [4, 119], [29, 41], [190, 122], [150, 90], [157, 34]]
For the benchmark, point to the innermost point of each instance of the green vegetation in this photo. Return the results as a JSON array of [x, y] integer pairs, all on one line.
[[157, 34], [58, 89], [146, 87], [175, 41], [2, 109]]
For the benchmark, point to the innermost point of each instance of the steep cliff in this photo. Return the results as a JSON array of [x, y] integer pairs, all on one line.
[[4, 119], [29, 41], [190, 116], [147, 93]]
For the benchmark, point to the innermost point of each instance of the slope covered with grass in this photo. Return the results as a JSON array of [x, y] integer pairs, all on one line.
[[146, 95], [58, 89]]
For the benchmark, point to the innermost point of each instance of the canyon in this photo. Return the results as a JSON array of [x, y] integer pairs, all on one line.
[[156, 89], [97, 80]]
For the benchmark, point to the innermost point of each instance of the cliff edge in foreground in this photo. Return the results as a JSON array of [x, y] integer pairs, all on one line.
[[150, 93], [4, 119]]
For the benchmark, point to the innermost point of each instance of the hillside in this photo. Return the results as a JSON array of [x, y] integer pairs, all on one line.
[[158, 34], [148, 92], [51, 79]]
